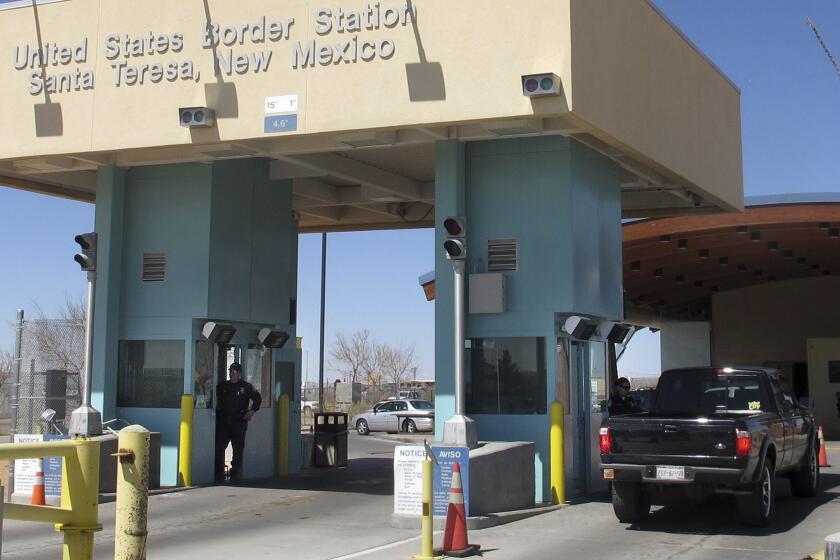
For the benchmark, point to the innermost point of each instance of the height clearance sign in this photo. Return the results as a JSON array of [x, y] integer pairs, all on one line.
[[408, 477]]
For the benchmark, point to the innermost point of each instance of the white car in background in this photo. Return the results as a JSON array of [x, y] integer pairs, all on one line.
[[399, 415]]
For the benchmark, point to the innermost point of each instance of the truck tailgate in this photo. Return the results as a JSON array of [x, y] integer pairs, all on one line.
[[647, 440]]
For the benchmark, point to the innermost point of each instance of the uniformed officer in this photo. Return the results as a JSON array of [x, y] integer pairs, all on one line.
[[620, 401], [236, 403]]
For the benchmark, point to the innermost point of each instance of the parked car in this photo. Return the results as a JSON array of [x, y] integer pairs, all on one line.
[[401, 415], [710, 430]]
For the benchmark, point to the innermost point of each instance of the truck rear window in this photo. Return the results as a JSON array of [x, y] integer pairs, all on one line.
[[707, 392]]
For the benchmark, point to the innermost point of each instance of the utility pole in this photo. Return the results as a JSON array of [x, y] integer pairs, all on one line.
[[323, 307]]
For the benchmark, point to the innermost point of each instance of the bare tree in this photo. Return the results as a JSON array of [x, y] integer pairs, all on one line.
[[351, 357], [60, 341], [397, 361], [7, 364]]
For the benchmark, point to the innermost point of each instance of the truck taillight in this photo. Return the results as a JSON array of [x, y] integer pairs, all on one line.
[[605, 441], [743, 443]]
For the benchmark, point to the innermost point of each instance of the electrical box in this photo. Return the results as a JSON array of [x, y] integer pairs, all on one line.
[[487, 293]]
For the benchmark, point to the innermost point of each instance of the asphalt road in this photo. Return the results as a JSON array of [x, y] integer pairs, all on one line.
[[344, 514]]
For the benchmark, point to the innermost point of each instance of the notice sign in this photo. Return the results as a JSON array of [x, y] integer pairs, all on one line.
[[25, 469], [408, 479], [447, 457]]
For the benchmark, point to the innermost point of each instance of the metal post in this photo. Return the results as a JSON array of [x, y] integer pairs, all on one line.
[[459, 337], [132, 494], [558, 472], [80, 493], [15, 405], [185, 442], [323, 308], [86, 420], [1, 520], [427, 546], [460, 430]]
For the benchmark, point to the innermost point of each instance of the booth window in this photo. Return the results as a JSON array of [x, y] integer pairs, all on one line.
[[256, 370], [150, 373], [506, 376], [203, 374]]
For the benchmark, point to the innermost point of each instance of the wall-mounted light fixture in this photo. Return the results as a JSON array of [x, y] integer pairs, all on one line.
[[271, 338], [614, 332], [219, 333], [581, 328]]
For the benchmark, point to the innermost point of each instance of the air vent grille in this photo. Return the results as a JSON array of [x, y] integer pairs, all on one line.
[[154, 267], [502, 255]]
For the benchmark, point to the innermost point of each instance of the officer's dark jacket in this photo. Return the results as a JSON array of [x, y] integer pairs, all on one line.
[[627, 405], [232, 399]]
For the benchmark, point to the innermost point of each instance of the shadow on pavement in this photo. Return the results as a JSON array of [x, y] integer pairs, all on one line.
[[718, 515], [373, 476]]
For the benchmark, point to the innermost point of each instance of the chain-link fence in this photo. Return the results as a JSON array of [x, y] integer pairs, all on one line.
[[51, 359]]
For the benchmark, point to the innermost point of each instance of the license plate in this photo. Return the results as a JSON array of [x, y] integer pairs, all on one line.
[[670, 473]]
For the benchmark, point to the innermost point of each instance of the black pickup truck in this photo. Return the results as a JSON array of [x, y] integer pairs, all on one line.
[[711, 430]]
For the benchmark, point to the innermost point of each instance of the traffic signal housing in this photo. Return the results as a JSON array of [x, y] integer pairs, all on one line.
[[456, 238], [87, 258]]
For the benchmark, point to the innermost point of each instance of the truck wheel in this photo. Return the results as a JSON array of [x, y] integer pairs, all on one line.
[[805, 480], [756, 508], [631, 502]]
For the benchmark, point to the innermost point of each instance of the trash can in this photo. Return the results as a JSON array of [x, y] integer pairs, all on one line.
[[330, 439]]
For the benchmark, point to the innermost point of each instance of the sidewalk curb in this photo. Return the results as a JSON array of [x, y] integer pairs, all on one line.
[[474, 523]]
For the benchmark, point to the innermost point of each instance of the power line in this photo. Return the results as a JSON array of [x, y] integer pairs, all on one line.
[[824, 46]]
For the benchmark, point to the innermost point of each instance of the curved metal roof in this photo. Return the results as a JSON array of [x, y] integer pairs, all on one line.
[[672, 266]]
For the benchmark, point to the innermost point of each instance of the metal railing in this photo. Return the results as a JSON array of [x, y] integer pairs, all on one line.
[[77, 518]]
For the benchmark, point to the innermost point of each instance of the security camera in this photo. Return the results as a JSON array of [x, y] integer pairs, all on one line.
[[192, 117]]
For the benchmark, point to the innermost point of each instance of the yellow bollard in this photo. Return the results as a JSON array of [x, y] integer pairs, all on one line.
[[558, 471], [185, 445], [132, 493], [283, 435], [80, 492], [428, 523]]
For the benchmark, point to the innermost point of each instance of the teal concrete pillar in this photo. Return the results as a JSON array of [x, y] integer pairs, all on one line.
[[559, 204], [110, 199]]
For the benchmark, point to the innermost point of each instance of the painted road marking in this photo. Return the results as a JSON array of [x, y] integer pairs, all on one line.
[[380, 548]]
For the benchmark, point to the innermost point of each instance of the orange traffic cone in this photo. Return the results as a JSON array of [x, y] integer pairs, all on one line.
[[823, 455], [455, 541], [39, 497]]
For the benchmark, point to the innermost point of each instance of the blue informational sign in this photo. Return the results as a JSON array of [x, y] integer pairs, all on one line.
[[280, 123], [446, 459], [52, 470]]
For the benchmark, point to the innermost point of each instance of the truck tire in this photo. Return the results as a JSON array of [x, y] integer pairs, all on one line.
[[631, 502], [806, 479], [756, 508]]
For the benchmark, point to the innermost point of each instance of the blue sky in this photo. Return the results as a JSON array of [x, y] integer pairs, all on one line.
[[790, 106]]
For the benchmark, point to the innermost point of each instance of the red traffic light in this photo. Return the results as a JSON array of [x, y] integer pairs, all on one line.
[[454, 226]]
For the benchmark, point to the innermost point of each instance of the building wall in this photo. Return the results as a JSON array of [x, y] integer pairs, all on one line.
[[561, 202], [824, 392], [685, 344], [772, 321], [784, 322]]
